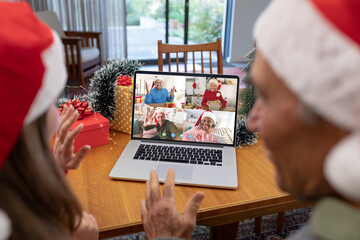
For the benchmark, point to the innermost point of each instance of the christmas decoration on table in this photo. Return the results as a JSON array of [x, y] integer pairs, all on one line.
[[123, 112], [81, 106], [94, 133], [138, 99], [243, 136], [63, 100], [96, 127], [170, 105], [246, 100], [103, 85], [124, 80]]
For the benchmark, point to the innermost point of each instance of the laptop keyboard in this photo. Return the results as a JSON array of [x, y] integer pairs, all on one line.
[[199, 156]]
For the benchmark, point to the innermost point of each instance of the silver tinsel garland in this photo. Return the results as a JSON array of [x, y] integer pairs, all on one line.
[[102, 93]]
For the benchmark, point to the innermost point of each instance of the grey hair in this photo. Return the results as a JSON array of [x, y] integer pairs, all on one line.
[[306, 114]]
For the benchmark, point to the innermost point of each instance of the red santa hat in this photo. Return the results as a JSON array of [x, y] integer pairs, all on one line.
[[32, 71], [208, 114], [314, 47], [157, 78]]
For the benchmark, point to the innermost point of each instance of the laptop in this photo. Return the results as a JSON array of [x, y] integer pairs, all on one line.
[[184, 121]]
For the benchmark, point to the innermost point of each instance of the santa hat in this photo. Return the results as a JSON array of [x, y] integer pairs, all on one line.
[[208, 114], [216, 82], [157, 78], [314, 47], [32, 71]]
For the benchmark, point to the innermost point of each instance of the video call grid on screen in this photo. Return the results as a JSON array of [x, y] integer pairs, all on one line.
[[176, 101]]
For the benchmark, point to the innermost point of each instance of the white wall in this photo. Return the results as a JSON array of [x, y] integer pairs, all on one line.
[[245, 13]]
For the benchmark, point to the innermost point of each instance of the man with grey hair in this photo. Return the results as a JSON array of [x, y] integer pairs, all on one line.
[[164, 129], [306, 75]]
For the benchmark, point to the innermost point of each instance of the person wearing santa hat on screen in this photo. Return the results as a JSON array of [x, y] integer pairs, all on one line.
[[158, 94], [213, 94], [36, 201], [306, 74], [201, 132], [163, 129]]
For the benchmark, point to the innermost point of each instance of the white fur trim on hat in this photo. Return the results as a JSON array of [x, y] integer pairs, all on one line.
[[316, 61], [5, 226], [158, 78], [54, 79], [209, 115], [342, 167]]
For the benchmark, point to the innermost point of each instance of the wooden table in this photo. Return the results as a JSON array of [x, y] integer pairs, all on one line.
[[116, 204]]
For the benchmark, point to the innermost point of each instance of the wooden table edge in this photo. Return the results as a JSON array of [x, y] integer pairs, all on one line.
[[215, 217]]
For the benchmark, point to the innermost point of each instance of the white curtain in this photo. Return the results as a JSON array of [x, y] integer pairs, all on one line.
[[105, 16]]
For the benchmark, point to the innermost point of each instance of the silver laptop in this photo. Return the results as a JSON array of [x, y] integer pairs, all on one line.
[[184, 121]]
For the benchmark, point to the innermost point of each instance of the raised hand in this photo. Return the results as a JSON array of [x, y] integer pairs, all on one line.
[[147, 88], [88, 228], [172, 91], [160, 215], [64, 141], [149, 117]]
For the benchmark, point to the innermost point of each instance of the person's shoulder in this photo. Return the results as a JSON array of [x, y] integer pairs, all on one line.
[[197, 128], [169, 122]]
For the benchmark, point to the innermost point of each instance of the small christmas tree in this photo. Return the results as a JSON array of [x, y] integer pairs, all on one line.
[[102, 94], [243, 136], [247, 95], [246, 101]]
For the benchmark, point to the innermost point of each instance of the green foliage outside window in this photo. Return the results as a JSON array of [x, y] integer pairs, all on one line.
[[205, 16]]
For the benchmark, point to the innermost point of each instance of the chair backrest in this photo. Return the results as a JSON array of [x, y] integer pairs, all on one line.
[[51, 19], [192, 49]]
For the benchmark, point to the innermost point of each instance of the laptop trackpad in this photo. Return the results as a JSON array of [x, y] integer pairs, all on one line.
[[181, 172]]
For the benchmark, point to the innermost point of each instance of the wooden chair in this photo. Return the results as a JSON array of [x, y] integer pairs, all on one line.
[[80, 47], [185, 49]]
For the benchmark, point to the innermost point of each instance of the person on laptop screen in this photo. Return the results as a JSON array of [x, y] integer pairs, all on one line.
[[203, 128], [213, 94], [163, 129], [158, 94]]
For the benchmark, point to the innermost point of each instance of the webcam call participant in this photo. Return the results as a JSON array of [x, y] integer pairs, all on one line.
[[213, 94], [164, 129], [159, 94], [203, 128]]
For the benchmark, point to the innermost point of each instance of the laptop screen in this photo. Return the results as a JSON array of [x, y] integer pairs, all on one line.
[[188, 107]]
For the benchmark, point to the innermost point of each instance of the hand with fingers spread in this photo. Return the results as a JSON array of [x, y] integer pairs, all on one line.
[[149, 117], [64, 141], [88, 228], [160, 216], [172, 90]]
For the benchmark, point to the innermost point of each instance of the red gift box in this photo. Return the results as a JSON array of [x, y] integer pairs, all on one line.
[[95, 132]]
